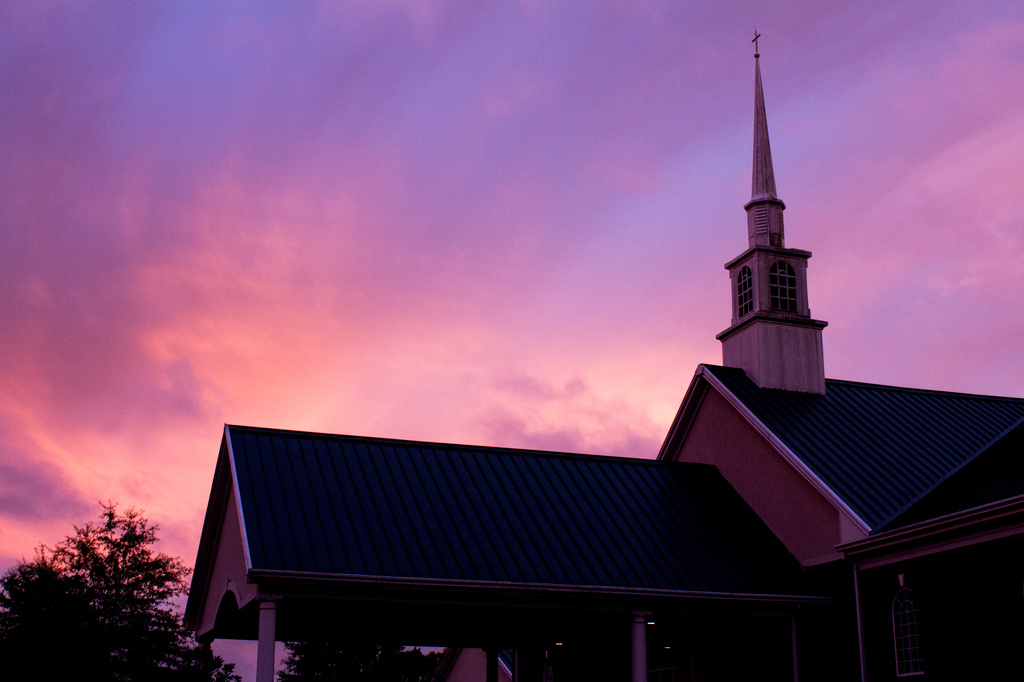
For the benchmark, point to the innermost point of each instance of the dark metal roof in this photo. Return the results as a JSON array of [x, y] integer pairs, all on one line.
[[995, 474], [350, 506], [879, 448]]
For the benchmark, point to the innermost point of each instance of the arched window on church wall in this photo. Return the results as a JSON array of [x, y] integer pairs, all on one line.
[[906, 632]]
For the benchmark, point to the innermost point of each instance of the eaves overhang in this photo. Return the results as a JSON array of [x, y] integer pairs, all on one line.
[[777, 250], [988, 522], [282, 582], [784, 450], [683, 420], [225, 480], [238, 502], [790, 320], [206, 553]]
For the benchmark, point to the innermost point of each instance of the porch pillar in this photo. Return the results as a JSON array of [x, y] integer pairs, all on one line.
[[640, 646], [492, 664], [267, 640], [796, 661]]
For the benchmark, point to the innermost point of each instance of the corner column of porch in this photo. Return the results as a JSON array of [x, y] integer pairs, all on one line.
[[267, 640], [640, 646], [793, 639], [492, 664]]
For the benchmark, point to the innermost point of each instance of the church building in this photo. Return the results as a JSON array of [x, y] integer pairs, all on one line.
[[792, 527]]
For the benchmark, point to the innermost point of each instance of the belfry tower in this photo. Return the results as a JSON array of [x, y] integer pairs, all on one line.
[[772, 336]]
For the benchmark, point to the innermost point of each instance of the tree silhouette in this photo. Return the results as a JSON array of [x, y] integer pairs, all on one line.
[[100, 603], [326, 661]]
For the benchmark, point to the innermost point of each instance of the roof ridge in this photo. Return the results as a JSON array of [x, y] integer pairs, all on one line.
[[494, 449], [936, 391], [890, 387]]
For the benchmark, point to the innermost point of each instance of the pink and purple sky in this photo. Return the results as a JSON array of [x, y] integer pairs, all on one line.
[[490, 222]]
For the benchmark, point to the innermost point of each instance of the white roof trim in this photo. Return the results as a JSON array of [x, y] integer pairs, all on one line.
[[238, 499], [784, 450]]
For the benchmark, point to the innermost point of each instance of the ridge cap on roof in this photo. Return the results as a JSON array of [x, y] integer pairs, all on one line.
[[496, 449], [886, 387], [934, 391]]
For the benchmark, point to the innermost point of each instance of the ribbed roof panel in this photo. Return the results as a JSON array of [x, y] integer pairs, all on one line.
[[879, 448], [346, 505]]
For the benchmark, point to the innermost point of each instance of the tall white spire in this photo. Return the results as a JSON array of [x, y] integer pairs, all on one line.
[[764, 210], [762, 184], [772, 337]]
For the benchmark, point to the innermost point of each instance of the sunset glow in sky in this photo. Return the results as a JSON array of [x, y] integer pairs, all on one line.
[[493, 222]]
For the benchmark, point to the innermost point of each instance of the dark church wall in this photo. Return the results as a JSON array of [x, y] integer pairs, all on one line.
[[706, 648], [971, 613], [684, 648], [827, 637], [585, 656]]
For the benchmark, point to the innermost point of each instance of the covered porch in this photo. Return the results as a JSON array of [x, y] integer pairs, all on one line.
[[597, 568]]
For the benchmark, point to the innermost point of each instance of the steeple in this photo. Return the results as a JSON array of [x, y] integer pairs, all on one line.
[[772, 336], [764, 210]]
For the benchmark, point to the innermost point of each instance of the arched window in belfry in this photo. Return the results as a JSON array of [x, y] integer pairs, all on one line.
[[744, 291], [782, 286], [906, 634]]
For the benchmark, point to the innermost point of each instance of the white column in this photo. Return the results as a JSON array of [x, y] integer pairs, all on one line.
[[267, 641], [640, 646], [796, 661], [492, 664]]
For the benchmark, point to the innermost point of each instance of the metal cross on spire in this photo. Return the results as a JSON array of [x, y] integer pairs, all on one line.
[[756, 50]]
